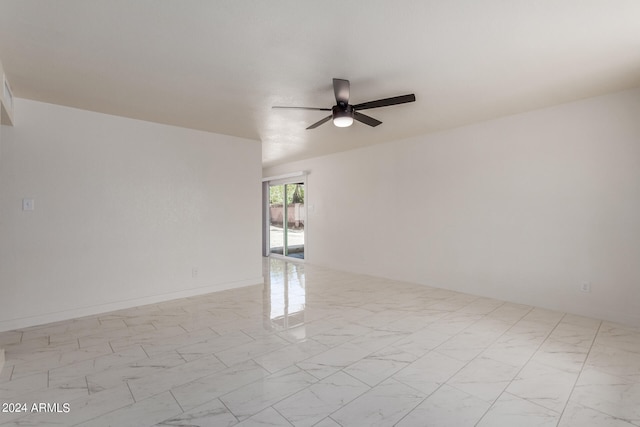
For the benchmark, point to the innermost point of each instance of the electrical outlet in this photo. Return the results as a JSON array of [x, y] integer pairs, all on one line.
[[585, 287], [28, 204], [194, 272]]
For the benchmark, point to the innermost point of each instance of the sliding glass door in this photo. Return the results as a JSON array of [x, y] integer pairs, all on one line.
[[287, 216]]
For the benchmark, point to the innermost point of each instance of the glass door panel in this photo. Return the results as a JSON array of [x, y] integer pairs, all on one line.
[[276, 219], [295, 220]]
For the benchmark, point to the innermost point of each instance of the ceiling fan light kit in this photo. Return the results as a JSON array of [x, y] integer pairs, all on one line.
[[342, 117], [343, 114]]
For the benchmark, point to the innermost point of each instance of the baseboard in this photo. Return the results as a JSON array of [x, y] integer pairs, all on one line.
[[25, 322]]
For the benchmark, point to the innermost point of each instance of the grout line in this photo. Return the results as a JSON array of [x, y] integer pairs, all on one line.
[[581, 369], [185, 360], [12, 370], [278, 412], [492, 342], [418, 404], [332, 419], [132, 396], [533, 403], [145, 351], [523, 366], [174, 398], [225, 405]]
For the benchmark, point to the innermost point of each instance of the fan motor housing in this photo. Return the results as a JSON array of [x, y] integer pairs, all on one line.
[[340, 111]]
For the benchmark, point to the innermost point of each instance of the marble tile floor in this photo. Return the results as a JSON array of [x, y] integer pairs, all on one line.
[[317, 347]]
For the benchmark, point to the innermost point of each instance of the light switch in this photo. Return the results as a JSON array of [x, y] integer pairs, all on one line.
[[28, 204]]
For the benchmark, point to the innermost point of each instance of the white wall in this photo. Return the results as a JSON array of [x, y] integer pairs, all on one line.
[[124, 210], [524, 208], [2, 358]]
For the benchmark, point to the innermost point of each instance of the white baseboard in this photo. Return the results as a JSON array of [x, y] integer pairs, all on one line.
[[25, 322]]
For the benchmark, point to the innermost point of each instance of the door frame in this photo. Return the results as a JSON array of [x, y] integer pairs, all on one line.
[[291, 178]]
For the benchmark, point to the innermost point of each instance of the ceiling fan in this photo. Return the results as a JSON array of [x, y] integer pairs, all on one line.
[[344, 113]]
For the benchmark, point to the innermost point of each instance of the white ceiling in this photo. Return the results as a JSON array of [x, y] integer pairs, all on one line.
[[220, 65]]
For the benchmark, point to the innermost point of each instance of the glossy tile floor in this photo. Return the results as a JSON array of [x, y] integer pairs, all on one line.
[[325, 348]]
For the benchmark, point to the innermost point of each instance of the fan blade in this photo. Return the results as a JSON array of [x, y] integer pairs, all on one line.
[[316, 124], [385, 102], [306, 108], [366, 119], [341, 90]]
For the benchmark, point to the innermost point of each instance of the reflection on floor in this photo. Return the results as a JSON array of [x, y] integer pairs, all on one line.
[[320, 347]]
